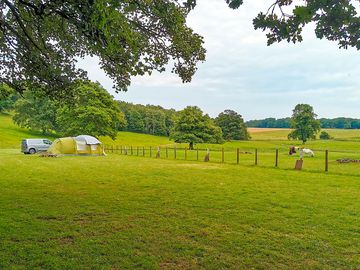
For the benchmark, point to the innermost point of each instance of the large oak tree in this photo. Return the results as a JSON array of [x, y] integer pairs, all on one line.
[[304, 123], [193, 126]]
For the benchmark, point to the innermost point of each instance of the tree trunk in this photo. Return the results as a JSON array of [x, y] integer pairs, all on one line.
[[191, 146]]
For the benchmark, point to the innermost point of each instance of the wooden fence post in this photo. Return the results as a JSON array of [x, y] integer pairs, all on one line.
[[131, 150], [143, 151], [237, 156], [256, 156], [167, 152], [185, 153], [137, 150], [276, 157], [222, 155], [121, 150], [174, 151], [326, 160], [112, 149], [207, 156], [197, 154], [158, 152], [150, 151]]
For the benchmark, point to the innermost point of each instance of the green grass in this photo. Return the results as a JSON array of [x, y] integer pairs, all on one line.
[[11, 135], [129, 138], [129, 212], [119, 212]]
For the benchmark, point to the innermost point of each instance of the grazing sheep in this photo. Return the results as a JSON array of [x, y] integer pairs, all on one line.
[[306, 151]]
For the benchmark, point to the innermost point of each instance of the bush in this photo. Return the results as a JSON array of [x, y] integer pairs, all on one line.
[[324, 135]]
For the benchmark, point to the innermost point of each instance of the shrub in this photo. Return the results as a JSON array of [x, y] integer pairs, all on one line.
[[324, 135]]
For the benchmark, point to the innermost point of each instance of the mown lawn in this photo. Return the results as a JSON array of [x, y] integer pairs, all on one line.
[[118, 212]]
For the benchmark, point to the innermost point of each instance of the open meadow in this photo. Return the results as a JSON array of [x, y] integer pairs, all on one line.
[[127, 212]]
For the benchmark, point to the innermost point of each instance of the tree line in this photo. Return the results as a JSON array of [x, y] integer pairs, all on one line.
[[338, 123], [90, 109]]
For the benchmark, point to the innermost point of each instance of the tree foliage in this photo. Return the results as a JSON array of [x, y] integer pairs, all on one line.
[[149, 119], [232, 125], [324, 135], [92, 111], [7, 98], [339, 122], [40, 40], [270, 122], [285, 20], [304, 123], [36, 112], [192, 126]]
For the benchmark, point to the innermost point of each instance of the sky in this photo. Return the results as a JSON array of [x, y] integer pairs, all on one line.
[[242, 73]]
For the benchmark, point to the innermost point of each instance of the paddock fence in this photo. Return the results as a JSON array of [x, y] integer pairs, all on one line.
[[334, 161]]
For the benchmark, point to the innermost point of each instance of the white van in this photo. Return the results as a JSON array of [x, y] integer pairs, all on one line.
[[32, 146]]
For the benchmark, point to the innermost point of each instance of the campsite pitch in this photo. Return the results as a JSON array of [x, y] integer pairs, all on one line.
[[118, 212]]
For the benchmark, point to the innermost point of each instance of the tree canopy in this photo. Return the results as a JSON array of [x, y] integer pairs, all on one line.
[[7, 98], [232, 125], [41, 40], [304, 123], [149, 119], [192, 126], [91, 111], [285, 20]]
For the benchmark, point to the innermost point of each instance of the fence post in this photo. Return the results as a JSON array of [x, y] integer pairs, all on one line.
[[150, 151], [167, 152], [158, 152], [197, 153], [131, 150], [276, 157], [237, 156], [174, 151], [256, 156], [137, 150], [222, 155], [112, 149], [120, 149], [143, 151], [326, 160], [207, 156], [185, 153]]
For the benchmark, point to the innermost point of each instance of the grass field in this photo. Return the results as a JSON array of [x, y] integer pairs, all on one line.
[[129, 212], [118, 212]]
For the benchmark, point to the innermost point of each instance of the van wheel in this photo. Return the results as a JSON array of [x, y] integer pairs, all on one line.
[[32, 151]]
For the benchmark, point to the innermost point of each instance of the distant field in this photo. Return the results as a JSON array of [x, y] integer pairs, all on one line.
[[282, 133]]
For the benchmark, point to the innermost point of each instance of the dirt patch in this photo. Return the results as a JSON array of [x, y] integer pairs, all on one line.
[[67, 240], [199, 166], [50, 218]]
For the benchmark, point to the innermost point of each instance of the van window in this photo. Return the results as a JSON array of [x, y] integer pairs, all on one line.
[[46, 142]]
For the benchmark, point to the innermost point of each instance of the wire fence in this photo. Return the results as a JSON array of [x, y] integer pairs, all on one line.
[[334, 161]]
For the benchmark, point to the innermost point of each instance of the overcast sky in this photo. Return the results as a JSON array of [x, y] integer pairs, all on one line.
[[243, 74]]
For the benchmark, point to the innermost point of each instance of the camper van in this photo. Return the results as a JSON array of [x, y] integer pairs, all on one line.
[[32, 146]]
